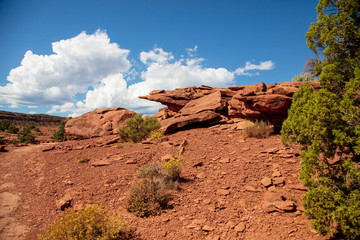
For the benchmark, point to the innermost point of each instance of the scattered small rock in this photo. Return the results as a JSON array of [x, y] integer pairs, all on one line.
[[207, 228], [286, 206], [101, 163], [131, 161], [266, 181], [224, 160], [223, 192], [64, 202], [240, 227]]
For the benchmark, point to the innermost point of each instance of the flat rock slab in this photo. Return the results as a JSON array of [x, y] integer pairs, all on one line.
[[101, 163]]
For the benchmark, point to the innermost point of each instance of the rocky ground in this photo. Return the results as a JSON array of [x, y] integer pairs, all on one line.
[[233, 187]]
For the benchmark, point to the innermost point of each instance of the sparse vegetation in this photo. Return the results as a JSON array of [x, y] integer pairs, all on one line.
[[12, 129], [155, 134], [260, 129], [25, 136], [60, 135], [303, 77], [138, 128], [4, 124], [173, 168], [150, 191], [82, 159], [93, 222]]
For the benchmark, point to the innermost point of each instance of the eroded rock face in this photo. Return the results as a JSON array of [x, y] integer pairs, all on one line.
[[257, 101], [100, 122]]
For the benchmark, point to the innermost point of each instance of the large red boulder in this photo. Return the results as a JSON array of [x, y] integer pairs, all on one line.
[[100, 122]]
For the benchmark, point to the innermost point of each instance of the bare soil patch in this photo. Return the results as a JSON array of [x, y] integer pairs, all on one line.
[[233, 187]]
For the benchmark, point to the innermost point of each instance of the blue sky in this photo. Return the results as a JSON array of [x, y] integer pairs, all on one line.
[[70, 57]]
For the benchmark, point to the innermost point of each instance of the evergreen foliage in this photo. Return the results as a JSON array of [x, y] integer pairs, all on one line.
[[4, 124], [327, 123], [60, 135], [25, 136], [138, 128]]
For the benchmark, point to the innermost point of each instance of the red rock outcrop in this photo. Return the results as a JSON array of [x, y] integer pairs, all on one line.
[[100, 122], [210, 105]]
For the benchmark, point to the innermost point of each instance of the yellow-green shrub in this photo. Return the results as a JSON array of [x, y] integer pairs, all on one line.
[[259, 129], [173, 168], [82, 159], [93, 222], [155, 134]]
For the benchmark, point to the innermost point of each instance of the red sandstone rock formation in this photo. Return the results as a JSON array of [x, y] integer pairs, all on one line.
[[100, 122], [257, 101]]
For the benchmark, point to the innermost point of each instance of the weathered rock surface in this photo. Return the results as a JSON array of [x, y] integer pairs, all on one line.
[[99, 122], [191, 105]]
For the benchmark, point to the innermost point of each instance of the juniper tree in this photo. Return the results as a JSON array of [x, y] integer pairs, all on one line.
[[327, 123]]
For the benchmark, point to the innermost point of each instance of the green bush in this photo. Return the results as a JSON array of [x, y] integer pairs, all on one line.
[[303, 77], [259, 129], [327, 122], [25, 136], [12, 129], [4, 124], [93, 222], [138, 128], [60, 135]]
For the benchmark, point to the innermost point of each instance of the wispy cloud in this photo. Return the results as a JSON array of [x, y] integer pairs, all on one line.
[[266, 65]]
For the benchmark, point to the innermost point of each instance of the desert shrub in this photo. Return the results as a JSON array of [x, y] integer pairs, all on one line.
[[152, 170], [145, 199], [173, 168], [4, 124], [82, 159], [155, 134], [260, 129], [60, 134], [138, 128], [12, 129], [33, 127], [25, 136], [303, 77], [149, 193], [93, 222]]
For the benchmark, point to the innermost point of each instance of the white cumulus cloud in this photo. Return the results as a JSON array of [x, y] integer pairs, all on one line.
[[76, 64], [88, 71]]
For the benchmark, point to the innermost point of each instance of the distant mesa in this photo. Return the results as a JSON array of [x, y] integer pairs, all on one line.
[[198, 106]]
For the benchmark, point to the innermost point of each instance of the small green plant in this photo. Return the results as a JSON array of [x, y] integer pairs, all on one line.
[[12, 129], [82, 159], [259, 129], [25, 136], [303, 77], [4, 124], [60, 135], [155, 134], [173, 168], [138, 128], [93, 222]]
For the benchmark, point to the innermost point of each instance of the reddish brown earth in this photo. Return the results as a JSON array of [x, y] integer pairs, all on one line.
[[222, 196]]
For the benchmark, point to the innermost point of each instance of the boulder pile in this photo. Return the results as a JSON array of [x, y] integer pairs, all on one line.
[[206, 105]]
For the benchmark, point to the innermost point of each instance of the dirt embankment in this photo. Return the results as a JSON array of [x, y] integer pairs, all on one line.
[[233, 188]]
